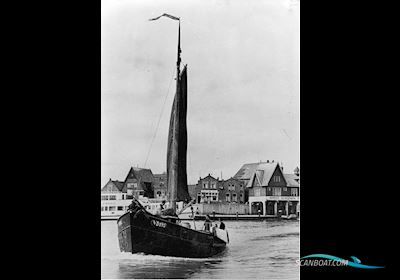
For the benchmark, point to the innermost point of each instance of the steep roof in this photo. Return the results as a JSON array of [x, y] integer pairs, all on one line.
[[119, 184], [143, 174], [262, 173], [247, 171], [209, 176], [291, 180]]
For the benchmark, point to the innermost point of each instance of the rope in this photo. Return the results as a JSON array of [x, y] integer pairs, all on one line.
[[159, 118]]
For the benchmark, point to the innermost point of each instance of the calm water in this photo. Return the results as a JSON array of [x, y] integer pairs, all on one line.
[[257, 249]]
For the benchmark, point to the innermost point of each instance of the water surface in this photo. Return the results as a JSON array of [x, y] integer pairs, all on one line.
[[257, 249]]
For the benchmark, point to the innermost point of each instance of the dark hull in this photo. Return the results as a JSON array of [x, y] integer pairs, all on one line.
[[142, 232]]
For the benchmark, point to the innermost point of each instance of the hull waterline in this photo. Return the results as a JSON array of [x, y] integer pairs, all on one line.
[[142, 232]]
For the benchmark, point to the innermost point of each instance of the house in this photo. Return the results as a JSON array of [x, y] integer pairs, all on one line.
[[160, 186], [212, 190], [138, 182], [271, 192], [232, 190], [206, 190], [111, 197]]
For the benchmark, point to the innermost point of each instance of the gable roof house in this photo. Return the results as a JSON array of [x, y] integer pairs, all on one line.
[[113, 186], [139, 182], [270, 190]]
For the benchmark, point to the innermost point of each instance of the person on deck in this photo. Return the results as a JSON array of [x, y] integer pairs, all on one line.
[[221, 224], [207, 223], [162, 207]]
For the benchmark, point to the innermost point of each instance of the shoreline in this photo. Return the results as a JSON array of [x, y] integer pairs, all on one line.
[[225, 217]]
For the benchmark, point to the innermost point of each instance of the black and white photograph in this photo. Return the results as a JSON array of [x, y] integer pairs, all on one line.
[[200, 139]]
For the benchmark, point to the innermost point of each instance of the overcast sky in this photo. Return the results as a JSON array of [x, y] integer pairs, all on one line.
[[243, 84]]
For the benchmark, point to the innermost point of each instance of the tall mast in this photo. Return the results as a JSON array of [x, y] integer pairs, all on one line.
[[173, 195], [178, 61], [177, 134]]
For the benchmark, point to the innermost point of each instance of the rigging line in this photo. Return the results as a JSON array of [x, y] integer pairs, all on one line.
[[159, 118]]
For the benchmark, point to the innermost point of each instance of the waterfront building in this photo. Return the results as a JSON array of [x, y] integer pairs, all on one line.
[[114, 202], [116, 195], [138, 182], [232, 191], [207, 190], [160, 186], [212, 190], [271, 192]]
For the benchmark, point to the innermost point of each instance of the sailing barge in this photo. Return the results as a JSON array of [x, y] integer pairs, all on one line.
[[141, 231]]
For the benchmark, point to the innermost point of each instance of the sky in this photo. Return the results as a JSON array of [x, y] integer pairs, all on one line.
[[243, 62]]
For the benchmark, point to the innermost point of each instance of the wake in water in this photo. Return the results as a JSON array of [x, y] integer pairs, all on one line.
[[141, 257], [274, 236]]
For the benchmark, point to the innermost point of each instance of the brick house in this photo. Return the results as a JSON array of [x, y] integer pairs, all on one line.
[[232, 190], [206, 190], [213, 190]]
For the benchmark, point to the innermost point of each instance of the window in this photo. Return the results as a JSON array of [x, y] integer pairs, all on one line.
[[102, 208], [213, 185], [285, 189], [106, 208], [113, 197], [129, 196], [276, 192], [228, 197], [257, 192], [111, 208], [104, 197], [293, 192], [234, 197], [123, 196], [277, 179], [120, 208], [131, 185]]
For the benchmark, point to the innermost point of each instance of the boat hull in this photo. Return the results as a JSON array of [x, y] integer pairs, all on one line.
[[142, 232]]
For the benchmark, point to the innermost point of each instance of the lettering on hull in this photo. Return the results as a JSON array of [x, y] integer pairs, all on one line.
[[158, 224]]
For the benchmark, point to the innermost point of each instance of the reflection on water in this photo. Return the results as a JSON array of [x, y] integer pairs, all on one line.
[[257, 249]]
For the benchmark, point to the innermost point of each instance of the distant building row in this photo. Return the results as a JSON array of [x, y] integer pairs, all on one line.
[[263, 185]]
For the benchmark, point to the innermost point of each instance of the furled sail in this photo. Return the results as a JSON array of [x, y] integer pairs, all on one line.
[[177, 144]]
